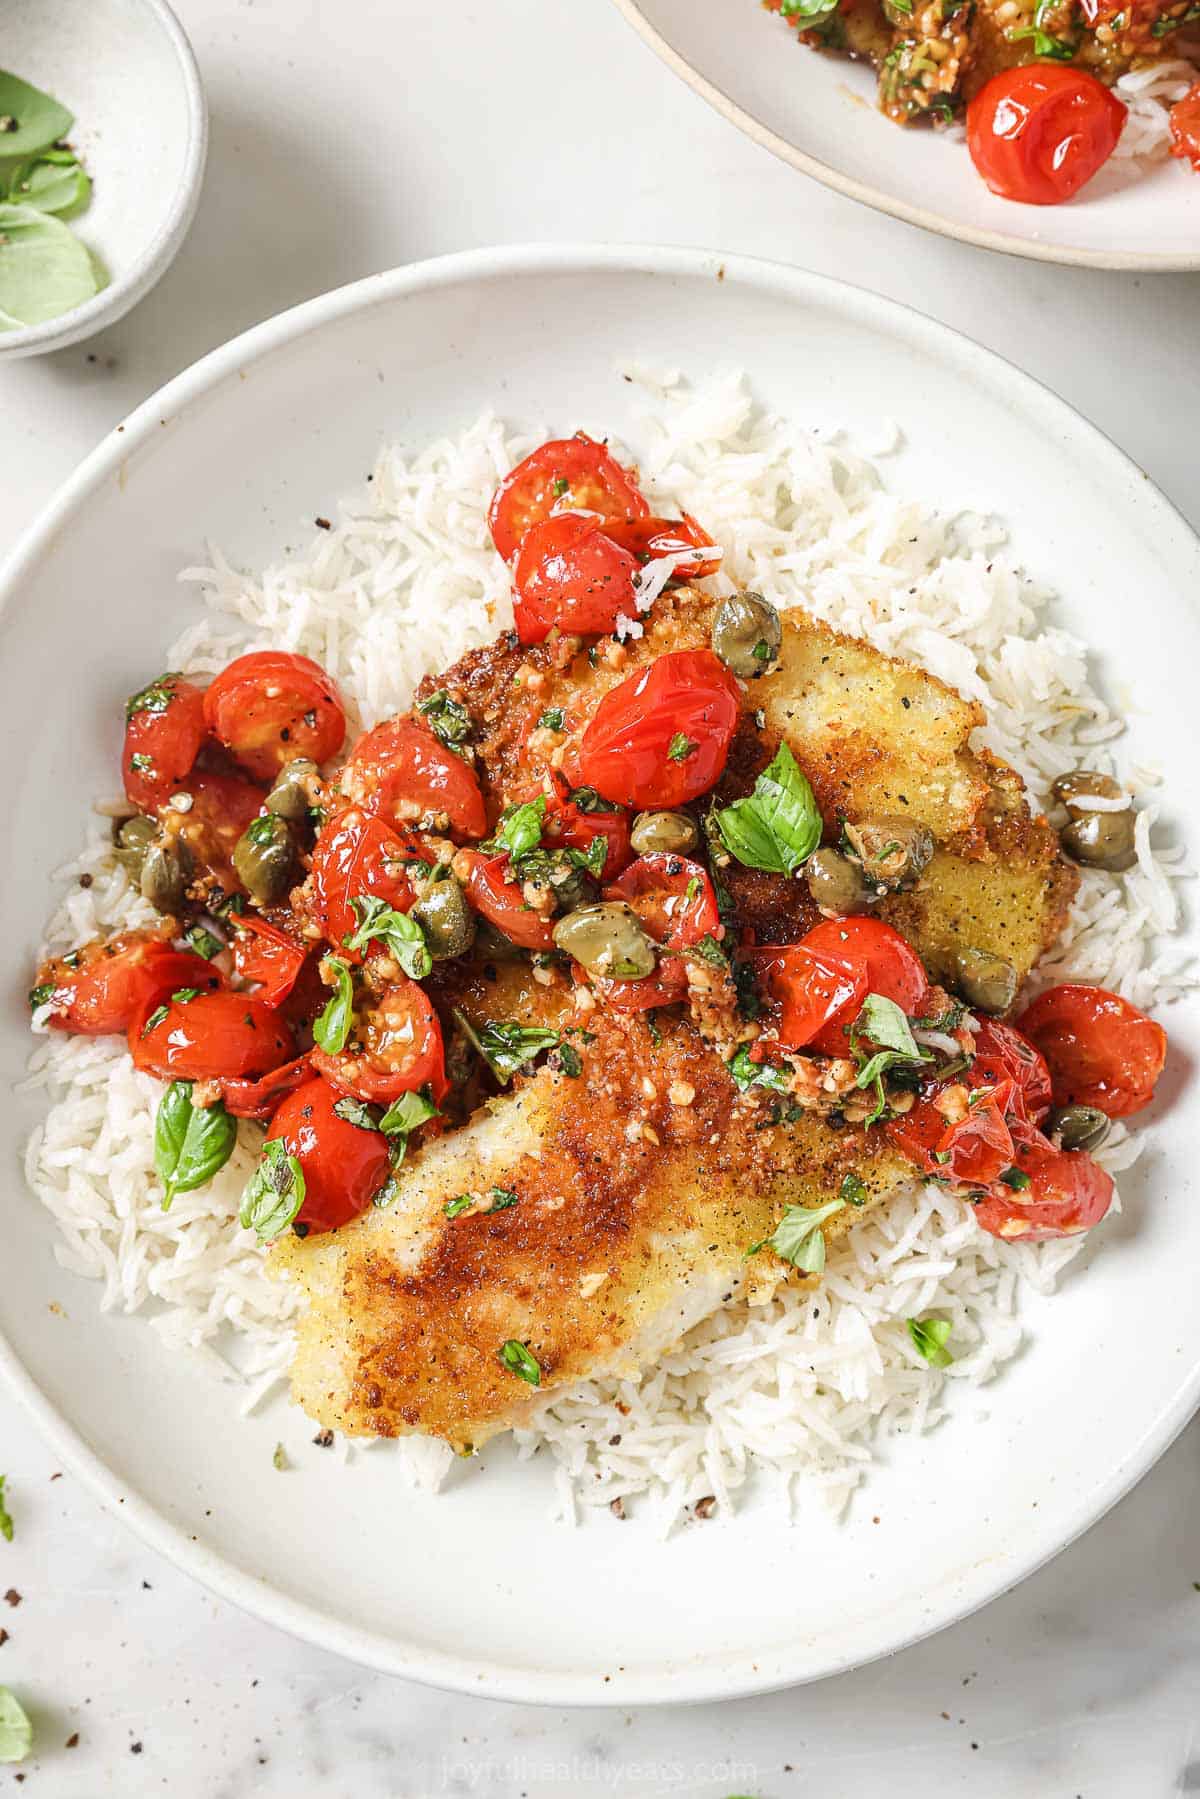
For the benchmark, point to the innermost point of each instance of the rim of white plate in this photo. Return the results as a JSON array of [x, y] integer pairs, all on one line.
[[741, 1674], [868, 195]]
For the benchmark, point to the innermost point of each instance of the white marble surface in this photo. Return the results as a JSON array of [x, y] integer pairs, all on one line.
[[350, 135]]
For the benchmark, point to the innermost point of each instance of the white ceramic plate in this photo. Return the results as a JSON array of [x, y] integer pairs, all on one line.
[[478, 1590], [819, 113]]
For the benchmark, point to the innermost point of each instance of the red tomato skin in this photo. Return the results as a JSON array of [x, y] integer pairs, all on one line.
[[500, 901], [344, 1165], [570, 575], [891, 966], [1100, 1050], [171, 739], [656, 887], [567, 824], [529, 493], [1002, 1054], [271, 706], [810, 989], [365, 1074], [356, 853], [1184, 121], [1068, 1193], [207, 1038], [222, 806], [259, 1099], [268, 956], [666, 987], [650, 538], [402, 763], [969, 1153], [624, 752], [1038, 133], [105, 993]]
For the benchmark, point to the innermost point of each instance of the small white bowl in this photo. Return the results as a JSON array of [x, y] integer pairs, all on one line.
[[126, 71]]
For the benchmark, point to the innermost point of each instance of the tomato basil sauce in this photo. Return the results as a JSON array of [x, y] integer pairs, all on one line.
[[641, 846]]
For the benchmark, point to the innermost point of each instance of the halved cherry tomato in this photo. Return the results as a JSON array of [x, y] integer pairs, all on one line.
[[1002, 1054], [400, 771], [1067, 1193], [1184, 121], [258, 1099], [568, 473], [972, 1151], [213, 1035], [104, 986], [810, 989], [357, 854], [662, 736], [870, 947], [665, 987], [222, 806], [1101, 1051], [271, 706], [569, 824], [268, 956], [650, 538], [395, 1047], [1038, 133], [672, 896], [569, 574], [501, 901], [344, 1165], [164, 731]]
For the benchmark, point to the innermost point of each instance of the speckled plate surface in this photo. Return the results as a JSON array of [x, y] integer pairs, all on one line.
[[477, 1589]]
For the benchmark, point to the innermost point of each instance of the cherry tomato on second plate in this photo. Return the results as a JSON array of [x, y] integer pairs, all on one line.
[[395, 1047], [810, 990], [357, 854], [568, 473], [268, 956], [1184, 121], [205, 1038], [164, 732], [892, 968], [270, 706], [259, 1098], [1067, 1193], [1038, 133], [571, 575], [344, 1165], [1101, 1051], [105, 985], [661, 737], [400, 770], [501, 901]]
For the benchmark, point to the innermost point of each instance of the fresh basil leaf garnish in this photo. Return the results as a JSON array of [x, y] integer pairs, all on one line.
[[777, 826], [929, 1339], [274, 1193], [191, 1143], [34, 120], [748, 1073], [586, 799], [332, 1028], [154, 698], [681, 747], [401, 935], [16, 1732], [520, 827], [853, 1190], [507, 1047], [449, 721], [203, 942], [353, 1111], [798, 1237], [41, 996], [518, 1360], [552, 719]]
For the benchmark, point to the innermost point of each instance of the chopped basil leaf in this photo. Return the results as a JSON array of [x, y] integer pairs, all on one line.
[[155, 1019], [154, 698], [449, 721], [141, 762], [708, 950], [16, 1732], [520, 827], [652, 1027], [400, 935], [261, 830], [1016, 1178], [566, 1060], [182, 995], [203, 942], [406, 1113], [454, 1208], [274, 1193], [502, 1198], [853, 1190], [749, 1004], [507, 1047], [586, 799], [191, 1143], [353, 1111], [929, 1339], [681, 747], [776, 827], [332, 1028], [798, 1237], [41, 996], [517, 1358], [6, 1523], [748, 1073], [561, 486], [883, 1021], [552, 719]]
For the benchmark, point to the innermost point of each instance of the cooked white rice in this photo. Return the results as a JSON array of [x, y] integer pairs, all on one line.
[[406, 581], [1150, 93]]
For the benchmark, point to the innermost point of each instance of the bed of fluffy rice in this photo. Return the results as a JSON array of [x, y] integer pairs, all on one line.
[[407, 580]]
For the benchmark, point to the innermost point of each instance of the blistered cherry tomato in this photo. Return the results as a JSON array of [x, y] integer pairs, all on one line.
[[401, 765], [213, 1035], [662, 736], [259, 1099], [267, 956], [869, 947], [395, 1047], [672, 896], [570, 575], [222, 806], [1101, 1051], [102, 987], [344, 1165], [1184, 119], [650, 538], [1067, 1193], [500, 900], [270, 707], [164, 731], [568, 473], [356, 854], [973, 1151], [811, 990], [577, 829], [1002, 1054], [667, 986], [1038, 133]]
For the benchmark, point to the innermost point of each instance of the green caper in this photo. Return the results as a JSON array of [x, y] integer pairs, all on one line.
[[166, 870], [893, 851], [1101, 840], [446, 919], [292, 795], [264, 859], [134, 837], [608, 939], [747, 634], [1074, 790], [667, 833], [835, 882], [985, 981], [1077, 1127]]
